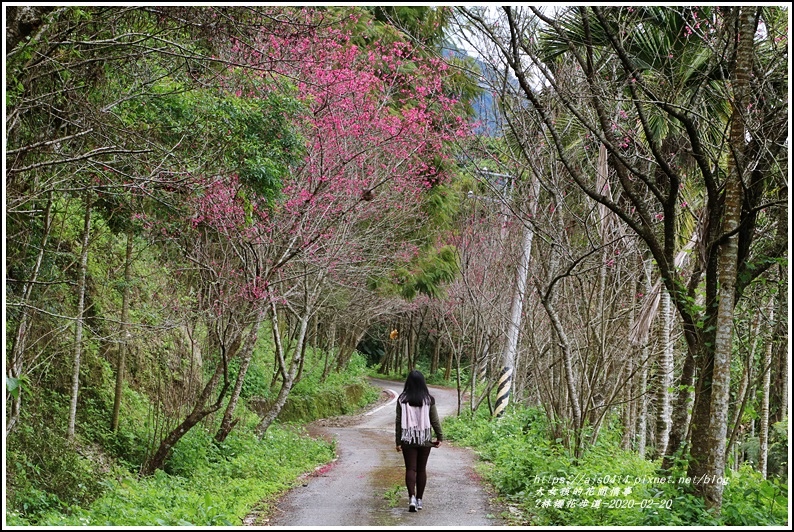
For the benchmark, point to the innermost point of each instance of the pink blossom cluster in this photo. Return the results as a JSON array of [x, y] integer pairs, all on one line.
[[375, 127]]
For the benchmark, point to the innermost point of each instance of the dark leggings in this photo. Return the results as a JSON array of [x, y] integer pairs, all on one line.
[[415, 474]]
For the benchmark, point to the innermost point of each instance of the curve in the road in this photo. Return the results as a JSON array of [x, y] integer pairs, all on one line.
[[361, 485]]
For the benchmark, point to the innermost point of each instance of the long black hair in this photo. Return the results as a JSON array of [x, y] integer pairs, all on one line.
[[415, 392]]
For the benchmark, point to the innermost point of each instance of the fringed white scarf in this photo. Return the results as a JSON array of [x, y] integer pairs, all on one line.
[[415, 423]]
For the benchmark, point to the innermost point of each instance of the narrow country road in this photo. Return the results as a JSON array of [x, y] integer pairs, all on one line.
[[352, 490]]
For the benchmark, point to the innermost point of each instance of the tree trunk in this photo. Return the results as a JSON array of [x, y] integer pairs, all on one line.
[[626, 408], [315, 331], [411, 341], [228, 345], [125, 333], [436, 355], [742, 396], [228, 422], [763, 433], [784, 355], [712, 462], [17, 365], [480, 371], [458, 383], [681, 411], [567, 358], [22, 22], [289, 373], [448, 369], [196, 415], [346, 350], [79, 322], [289, 380], [642, 418], [630, 400], [329, 348], [385, 360], [665, 378], [745, 389]]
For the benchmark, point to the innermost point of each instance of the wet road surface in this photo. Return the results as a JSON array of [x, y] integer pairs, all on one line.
[[352, 490]]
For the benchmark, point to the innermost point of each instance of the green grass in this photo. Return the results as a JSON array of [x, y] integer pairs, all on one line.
[[217, 488], [394, 495], [432, 379]]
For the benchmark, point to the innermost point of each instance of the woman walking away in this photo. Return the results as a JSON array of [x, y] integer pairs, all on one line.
[[416, 414]]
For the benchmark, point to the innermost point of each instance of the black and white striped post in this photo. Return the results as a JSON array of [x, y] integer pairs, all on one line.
[[503, 390], [514, 325]]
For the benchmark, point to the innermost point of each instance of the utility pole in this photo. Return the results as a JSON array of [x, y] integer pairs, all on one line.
[[514, 325], [504, 184]]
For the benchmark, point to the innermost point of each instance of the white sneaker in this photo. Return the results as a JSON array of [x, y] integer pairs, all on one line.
[[412, 504], [418, 504]]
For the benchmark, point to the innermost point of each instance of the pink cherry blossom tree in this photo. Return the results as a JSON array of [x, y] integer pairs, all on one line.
[[375, 123]]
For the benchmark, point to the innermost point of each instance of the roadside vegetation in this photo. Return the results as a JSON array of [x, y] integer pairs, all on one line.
[[544, 485], [96, 482]]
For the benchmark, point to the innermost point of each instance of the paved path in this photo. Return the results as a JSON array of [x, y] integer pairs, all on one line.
[[351, 491]]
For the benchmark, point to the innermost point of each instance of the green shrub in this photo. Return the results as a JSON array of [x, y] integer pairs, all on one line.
[[438, 378], [339, 394], [258, 376], [44, 470], [686, 508], [751, 500], [191, 454]]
